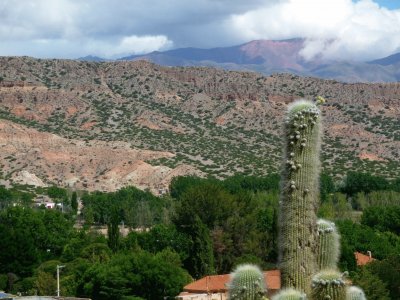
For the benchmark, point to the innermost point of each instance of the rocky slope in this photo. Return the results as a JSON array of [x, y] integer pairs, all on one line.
[[113, 118], [28, 155]]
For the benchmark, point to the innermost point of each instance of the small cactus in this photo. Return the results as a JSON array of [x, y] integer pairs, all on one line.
[[289, 294], [328, 245], [355, 293], [328, 285], [247, 283]]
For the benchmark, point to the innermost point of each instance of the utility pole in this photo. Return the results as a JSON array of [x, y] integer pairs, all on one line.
[[58, 279]]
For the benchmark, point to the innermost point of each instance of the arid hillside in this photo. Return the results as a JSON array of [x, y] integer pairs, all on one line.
[[105, 125]]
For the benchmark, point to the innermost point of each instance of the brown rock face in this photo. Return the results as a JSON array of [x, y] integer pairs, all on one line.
[[42, 158]]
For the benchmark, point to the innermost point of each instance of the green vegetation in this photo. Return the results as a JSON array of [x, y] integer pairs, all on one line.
[[206, 226]]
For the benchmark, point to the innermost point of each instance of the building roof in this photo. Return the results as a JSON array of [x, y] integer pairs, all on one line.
[[217, 283], [362, 259]]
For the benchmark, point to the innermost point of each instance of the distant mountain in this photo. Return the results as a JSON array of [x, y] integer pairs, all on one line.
[[386, 61], [270, 56], [92, 58]]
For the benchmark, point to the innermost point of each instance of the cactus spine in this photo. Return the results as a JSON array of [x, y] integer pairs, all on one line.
[[328, 245], [328, 284], [247, 283], [300, 195], [355, 293], [289, 294]]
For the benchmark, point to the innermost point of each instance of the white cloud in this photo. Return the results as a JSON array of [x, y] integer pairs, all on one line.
[[128, 45], [335, 29]]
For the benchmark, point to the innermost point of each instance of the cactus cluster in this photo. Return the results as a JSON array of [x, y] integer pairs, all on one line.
[[247, 283], [309, 249]]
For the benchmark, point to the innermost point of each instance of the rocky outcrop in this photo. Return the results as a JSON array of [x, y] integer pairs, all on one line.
[[40, 159]]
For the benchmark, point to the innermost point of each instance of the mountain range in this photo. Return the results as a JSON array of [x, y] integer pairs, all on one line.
[[275, 56], [104, 125]]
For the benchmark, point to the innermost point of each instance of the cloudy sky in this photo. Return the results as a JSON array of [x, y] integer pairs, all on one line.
[[337, 29]]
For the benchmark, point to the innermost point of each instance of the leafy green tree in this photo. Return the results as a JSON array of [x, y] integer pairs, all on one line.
[[3, 282], [113, 230], [32, 236], [238, 183], [78, 241], [140, 274], [74, 201], [89, 217], [327, 210], [23, 232], [356, 182], [58, 230], [343, 208], [209, 201], [327, 186], [395, 185], [5, 197], [161, 237], [136, 208], [57, 192], [388, 271], [96, 253], [362, 238], [374, 288], [180, 184], [382, 218], [201, 260], [25, 286]]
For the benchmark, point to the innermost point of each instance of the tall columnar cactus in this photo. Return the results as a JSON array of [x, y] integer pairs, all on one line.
[[355, 293], [289, 294], [247, 283], [299, 196], [328, 245], [328, 285]]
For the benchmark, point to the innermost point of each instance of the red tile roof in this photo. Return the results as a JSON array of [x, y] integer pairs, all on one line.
[[217, 283], [363, 259]]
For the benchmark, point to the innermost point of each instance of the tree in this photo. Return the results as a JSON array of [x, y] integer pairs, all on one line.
[[382, 218], [372, 285], [209, 201], [326, 186], [96, 253], [113, 230], [32, 236], [388, 270], [131, 275], [5, 197], [74, 201], [201, 260], [356, 182], [161, 237]]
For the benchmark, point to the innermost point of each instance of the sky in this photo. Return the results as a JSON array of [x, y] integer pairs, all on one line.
[[334, 29]]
